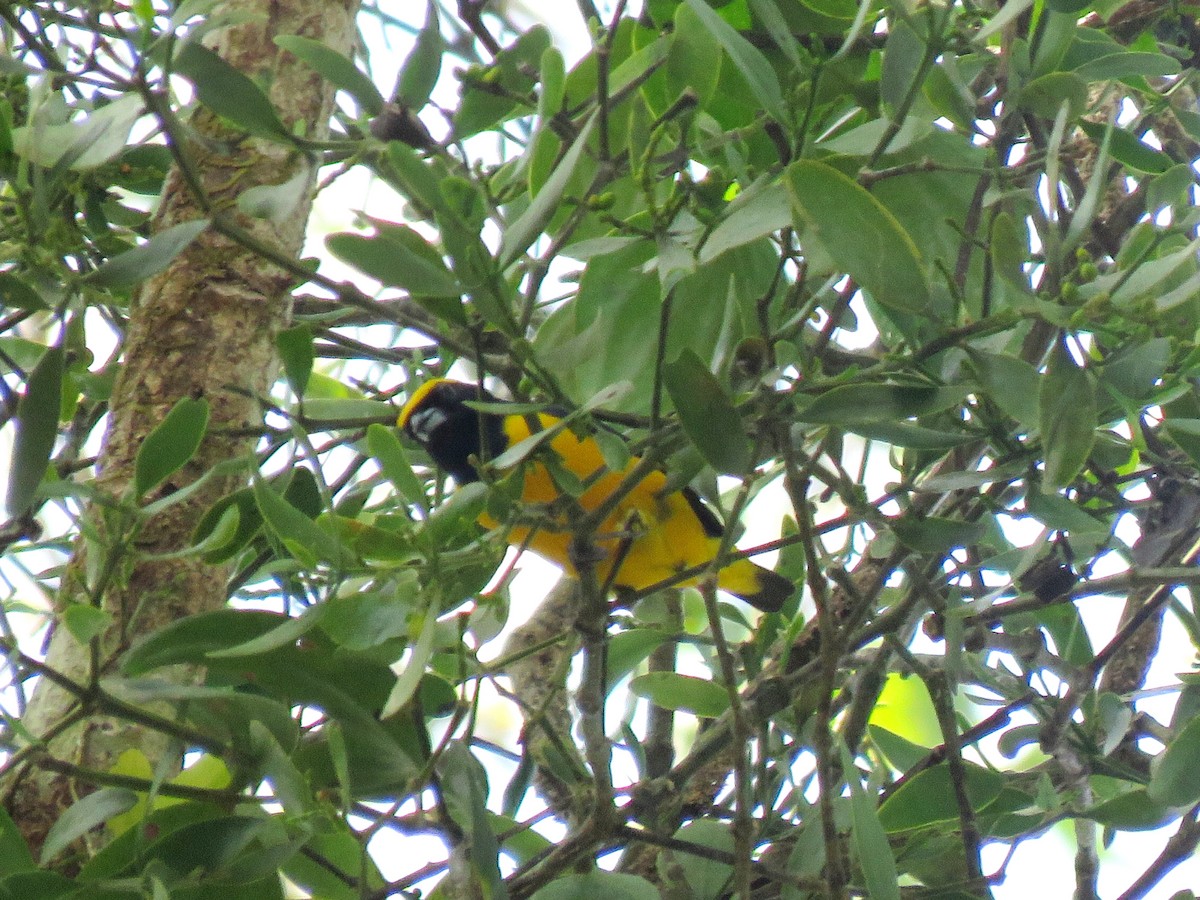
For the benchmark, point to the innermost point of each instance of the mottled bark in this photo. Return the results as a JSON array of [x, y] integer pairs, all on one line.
[[204, 327]]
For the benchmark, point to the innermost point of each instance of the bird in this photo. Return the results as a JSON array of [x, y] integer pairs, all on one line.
[[652, 534]]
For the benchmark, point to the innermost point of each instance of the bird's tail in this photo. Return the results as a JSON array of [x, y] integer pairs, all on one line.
[[761, 588]]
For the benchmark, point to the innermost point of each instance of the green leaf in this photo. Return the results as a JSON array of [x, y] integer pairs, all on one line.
[[1165, 190], [670, 690], [385, 447], [120, 853], [465, 787], [1043, 96], [171, 444], [1135, 370], [366, 619], [628, 649], [870, 840], [761, 209], [483, 105], [553, 77], [325, 413], [1186, 434], [525, 230], [1011, 383], [16, 294], [1067, 413], [336, 69], [398, 257], [223, 713], [900, 752], [290, 630], [277, 202], [421, 69], [936, 534], [290, 790], [37, 429], [1060, 514], [42, 885], [227, 526], [350, 687], [903, 53], [192, 639], [409, 679], [694, 60], [1069, 6], [83, 143], [295, 347], [228, 92], [701, 401], [598, 883], [1126, 149], [206, 845], [128, 268], [1128, 64], [902, 434], [303, 538], [328, 854], [83, 815], [853, 404], [85, 621], [1131, 811], [859, 234], [1009, 12], [748, 60], [1176, 778], [768, 15], [1010, 252], [706, 878], [948, 93], [928, 797], [14, 852]]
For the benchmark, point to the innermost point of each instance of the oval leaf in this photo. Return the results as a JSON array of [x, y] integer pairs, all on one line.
[[93, 810], [1127, 64], [228, 92], [295, 346], [929, 797], [395, 261], [859, 234], [747, 59], [128, 268], [701, 403], [670, 690], [1176, 780], [337, 70], [420, 71], [37, 427], [870, 840], [851, 404], [192, 639], [171, 444], [529, 225], [609, 885], [303, 538], [386, 449], [1067, 413]]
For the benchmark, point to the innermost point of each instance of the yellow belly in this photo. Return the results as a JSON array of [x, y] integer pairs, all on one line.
[[653, 537]]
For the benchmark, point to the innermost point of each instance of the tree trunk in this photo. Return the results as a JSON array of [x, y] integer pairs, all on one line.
[[204, 327]]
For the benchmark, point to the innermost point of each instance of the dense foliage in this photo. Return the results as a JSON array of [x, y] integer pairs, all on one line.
[[916, 284]]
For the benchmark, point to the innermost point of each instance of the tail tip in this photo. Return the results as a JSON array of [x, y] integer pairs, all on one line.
[[773, 591]]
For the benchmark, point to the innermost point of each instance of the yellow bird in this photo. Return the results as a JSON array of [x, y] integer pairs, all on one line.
[[650, 536]]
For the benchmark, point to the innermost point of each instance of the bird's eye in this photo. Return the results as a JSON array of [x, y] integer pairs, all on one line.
[[424, 422]]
